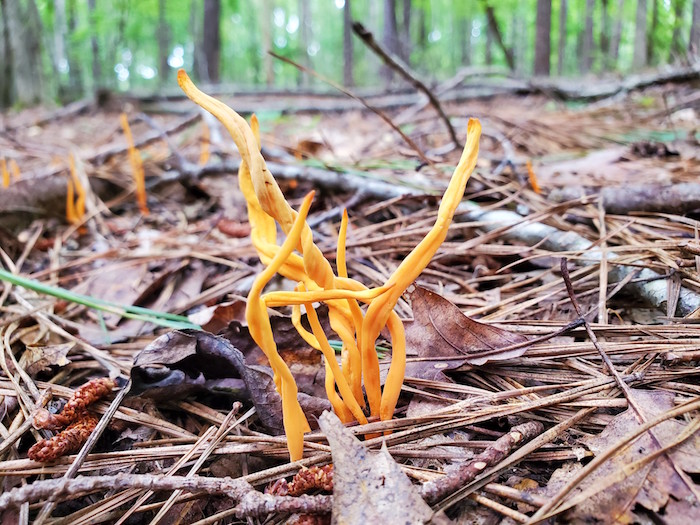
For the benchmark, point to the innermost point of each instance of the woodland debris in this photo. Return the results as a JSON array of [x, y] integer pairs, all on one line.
[[404, 70], [678, 198], [434, 491]]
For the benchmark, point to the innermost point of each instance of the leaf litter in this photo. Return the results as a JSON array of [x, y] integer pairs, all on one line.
[[492, 313]]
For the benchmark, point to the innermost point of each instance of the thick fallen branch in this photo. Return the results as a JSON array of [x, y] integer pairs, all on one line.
[[678, 198]]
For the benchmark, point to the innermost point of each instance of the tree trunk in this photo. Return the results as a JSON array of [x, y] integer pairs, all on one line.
[[95, 50], [266, 33], [163, 35], [305, 39], [211, 40], [694, 42], [348, 77], [488, 47], [543, 37], [390, 37], [640, 35], [61, 65], [74, 55], [405, 36], [677, 47], [652, 51], [464, 38], [587, 48], [616, 34], [6, 53], [604, 41], [25, 44], [561, 48], [493, 32]]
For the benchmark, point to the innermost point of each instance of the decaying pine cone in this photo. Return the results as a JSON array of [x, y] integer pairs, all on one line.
[[65, 442], [89, 393]]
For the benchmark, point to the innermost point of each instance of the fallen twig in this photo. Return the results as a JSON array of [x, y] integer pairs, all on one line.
[[434, 491], [402, 69]]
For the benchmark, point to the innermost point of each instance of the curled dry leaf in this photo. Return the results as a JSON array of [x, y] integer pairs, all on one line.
[[439, 330], [39, 358], [370, 487]]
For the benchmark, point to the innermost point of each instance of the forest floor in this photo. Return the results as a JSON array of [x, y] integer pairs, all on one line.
[[516, 419]]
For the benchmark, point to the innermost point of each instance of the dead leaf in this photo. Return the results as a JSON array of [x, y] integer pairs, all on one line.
[[370, 487], [440, 329], [215, 318], [182, 362], [39, 358], [656, 487]]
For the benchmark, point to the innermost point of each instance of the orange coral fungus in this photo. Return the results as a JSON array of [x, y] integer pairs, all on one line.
[[136, 165], [532, 177], [206, 141], [80, 190], [317, 282], [14, 169], [5, 173]]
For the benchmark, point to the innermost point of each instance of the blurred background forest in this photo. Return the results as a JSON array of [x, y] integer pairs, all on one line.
[[65, 50]]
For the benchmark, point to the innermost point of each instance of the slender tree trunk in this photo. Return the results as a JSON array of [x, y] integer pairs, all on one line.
[[519, 42], [464, 38], [348, 76], [266, 25], [305, 40], [616, 34], [488, 47], [405, 36], [25, 43], [677, 47], [211, 40], [97, 81], [543, 37], [494, 33], [390, 37], [694, 41], [587, 48], [652, 51], [640, 35], [61, 64], [604, 41], [163, 36], [561, 48], [74, 62], [6, 79]]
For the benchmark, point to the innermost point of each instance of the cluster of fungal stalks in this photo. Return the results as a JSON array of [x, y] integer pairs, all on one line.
[[357, 329]]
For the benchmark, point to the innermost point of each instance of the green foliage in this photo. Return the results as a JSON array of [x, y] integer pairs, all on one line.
[[441, 32]]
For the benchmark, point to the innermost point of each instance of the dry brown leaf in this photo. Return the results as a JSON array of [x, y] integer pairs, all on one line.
[[39, 358], [370, 487], [440, 330], [656, 488], [215, 318]]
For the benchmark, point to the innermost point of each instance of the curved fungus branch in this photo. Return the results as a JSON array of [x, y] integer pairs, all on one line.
[[357, 330]]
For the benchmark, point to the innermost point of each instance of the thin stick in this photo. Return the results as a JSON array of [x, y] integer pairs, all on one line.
[[402, 69], [362, 101]]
